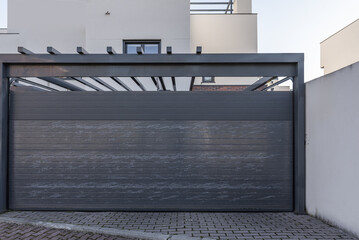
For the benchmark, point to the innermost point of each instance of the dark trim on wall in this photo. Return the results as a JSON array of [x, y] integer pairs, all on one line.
[[4, 109]]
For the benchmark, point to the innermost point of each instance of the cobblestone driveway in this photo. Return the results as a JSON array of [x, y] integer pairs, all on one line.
[[222, 226], [10, 231]]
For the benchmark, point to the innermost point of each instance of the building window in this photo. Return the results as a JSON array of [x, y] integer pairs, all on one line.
[[208, 79], [148, 46]]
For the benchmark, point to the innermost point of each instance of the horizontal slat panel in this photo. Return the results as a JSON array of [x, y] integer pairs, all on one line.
[[214, 147], [151, 106], [222, 129], [27, 174], [95, 159]]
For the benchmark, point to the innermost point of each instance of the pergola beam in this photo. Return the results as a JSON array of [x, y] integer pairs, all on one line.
[[34, 88], [56, 81], [138, 83], [35, 84], [86, 83], [147, 70], [174, 83], [61, 83], [192, 83], [155, 83], [103, 83], [52, 51], [277, 83], [111, 51], [247, 58], [261, 82], [162, 84], [122, 84], [81, 51], [24, 51]]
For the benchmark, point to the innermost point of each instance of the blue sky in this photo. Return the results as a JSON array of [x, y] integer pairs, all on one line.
[[292, 26], [300, 26]]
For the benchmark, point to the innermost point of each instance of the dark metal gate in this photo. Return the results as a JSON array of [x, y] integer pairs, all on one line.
[[151, 151], [67, 148]]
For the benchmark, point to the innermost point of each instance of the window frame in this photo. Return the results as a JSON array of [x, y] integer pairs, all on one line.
[[142, 43], [213, 80]]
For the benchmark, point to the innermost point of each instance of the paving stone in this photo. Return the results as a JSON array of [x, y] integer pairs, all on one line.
[[10, 231], [209, 225]]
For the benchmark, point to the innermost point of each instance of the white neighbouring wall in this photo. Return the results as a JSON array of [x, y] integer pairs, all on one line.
[[242, 6], [341, 49], [332, 150], [41, 23], [232, 33]]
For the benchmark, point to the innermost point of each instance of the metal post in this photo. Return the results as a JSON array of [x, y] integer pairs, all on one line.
[[299, 140], [174, 83], [4, 109], [192, 83], [162, 84], [155, 82]]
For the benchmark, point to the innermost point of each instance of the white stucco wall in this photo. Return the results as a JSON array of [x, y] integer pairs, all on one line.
[[165, 20], [66, 24], [341, 49], [42, 23], [8, 41], [242, 6], [236, 33], [332, 150]]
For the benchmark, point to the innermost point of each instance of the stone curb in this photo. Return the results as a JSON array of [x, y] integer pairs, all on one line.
[[100, 230]]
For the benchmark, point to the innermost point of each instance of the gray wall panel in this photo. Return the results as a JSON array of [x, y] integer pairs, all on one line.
[[225, 163]]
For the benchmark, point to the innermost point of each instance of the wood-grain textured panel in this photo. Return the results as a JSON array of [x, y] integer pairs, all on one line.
[[224, 163]]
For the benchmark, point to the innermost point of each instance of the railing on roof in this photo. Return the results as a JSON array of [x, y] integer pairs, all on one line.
[[211, 7]]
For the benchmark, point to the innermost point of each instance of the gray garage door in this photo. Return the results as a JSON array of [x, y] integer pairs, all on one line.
[[151, 151]]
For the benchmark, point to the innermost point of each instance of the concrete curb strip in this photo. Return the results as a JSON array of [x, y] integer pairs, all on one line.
[[100, 230]]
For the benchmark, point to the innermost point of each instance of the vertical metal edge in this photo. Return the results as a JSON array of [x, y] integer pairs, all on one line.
[[4, 109], [299, 140]]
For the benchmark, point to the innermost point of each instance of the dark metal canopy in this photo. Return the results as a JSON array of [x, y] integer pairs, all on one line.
[[58, 69]]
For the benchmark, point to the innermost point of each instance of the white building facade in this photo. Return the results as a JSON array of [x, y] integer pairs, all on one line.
[[125, 25], [341, 49], [95, 25]]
